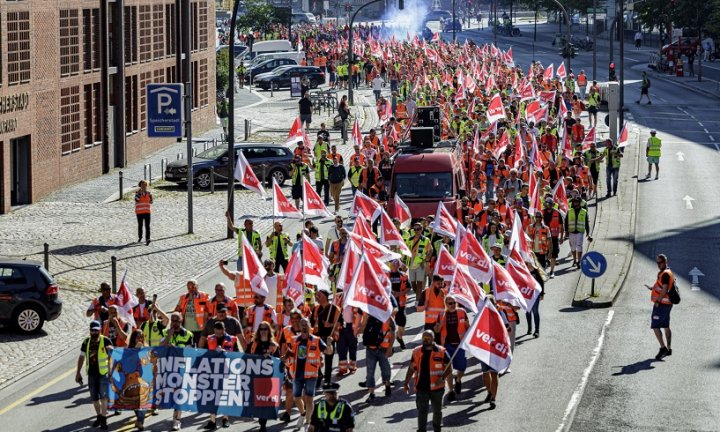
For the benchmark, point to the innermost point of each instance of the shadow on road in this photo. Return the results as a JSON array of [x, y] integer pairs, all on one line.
[[65, 395], [636, 367]]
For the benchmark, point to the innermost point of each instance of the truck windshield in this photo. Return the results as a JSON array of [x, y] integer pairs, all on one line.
[[423, 185]]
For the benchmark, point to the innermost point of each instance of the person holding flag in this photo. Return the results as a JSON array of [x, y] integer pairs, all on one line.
[[430, 367], [451, 326], [248, 232]]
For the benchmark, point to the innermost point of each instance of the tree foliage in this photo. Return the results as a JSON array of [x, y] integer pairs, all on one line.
[[222, 79], [258, 15]]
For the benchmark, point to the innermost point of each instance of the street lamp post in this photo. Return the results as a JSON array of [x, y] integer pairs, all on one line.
[[453, 20], [622, 62], [231, 118], [594, 73]]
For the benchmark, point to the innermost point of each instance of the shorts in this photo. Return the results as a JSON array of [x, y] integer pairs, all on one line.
[[459, 362], [555, 247], [297, 192], [653, 159], [592, 110], [308, 385], [306, 118], [644, 90], [98, 386], [486, 368], [416, 275], [661, 316], [595, 175], [400, 318], [576, 242]]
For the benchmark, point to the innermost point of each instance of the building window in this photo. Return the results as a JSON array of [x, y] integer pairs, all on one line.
[[203, 83], [93, 114], [131, 104], [18, 50], [203, 25], [170, 74], [194, 43], [145, 33], [144, 81], [159, 76], [195, 86], [69, 42], [170, 39], [70, 119], [91, 39], [158, 36], [131, 41]]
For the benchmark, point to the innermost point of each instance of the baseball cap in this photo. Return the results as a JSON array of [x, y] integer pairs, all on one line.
[[331, 388], [497, 245], [94, 325], [222, 307], [653, 131]]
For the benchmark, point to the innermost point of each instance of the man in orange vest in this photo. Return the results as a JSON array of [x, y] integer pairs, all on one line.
[[662, 306], [540, 239], [287, 336], [305, 352], [221, 342], [378, 338], [141, 312], [192, 306], [221, 298], [143, 201], [429, 365], [554, 221], [256, 314], [432, 302], [116, 328], [98, 308], [452, 325]]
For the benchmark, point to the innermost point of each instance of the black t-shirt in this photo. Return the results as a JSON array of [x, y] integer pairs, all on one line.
[[305, 106], [301, 355], [451, 324], [93, 357], [261, 347], [232, 326]]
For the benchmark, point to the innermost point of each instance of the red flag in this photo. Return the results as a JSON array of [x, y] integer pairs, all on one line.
[[530, 110], [623, 140], [315, 265], [245, 175], [372, 247], [561, 73], [560, 197], [435, 37], [518, 240], [589, 139], [367, 293], [466, 291], [562, 109], [527, 92], [472, 258], [547, 96], [126, 301], [282, 207], [253, 270], [390, 235], [312, 204], [548, 74], [294, 286], [445, 264], [347, 268], [356, 134], [519, 155], [363, 229], [401, 211], [534, 190], [566, 144], [444, 223], [363, 204], [487, 339], [526, 283], [502, 145], [505, 287], [296, 132], [496, 110]]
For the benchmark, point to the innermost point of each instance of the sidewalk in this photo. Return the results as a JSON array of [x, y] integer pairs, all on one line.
[[84, 230]]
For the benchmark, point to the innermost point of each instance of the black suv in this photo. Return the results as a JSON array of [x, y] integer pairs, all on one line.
[[29, 296], [280, 77], [271, 159], [269, 66]]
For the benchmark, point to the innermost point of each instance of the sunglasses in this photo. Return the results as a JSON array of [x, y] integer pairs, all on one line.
[[450, 303]]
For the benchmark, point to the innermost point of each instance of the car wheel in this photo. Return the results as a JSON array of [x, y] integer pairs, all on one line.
[[28, 319], [202, 180], [279, 176]]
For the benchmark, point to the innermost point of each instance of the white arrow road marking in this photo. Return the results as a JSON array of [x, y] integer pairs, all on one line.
[[681, 156], [688, 202], [594, 267], [695, 273]]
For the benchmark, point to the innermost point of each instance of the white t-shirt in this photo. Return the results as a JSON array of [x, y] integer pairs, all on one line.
[[377, 83]]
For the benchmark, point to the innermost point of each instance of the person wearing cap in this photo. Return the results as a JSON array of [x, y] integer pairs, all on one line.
[[232, 325], [554, 221], [326, 320], [497, 251], [613, 157], [652, 152], [332, 414], [94, 353], [98, 308], [577, 223], [220, 341]]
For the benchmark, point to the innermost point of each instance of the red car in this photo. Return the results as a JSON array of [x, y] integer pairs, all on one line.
[[685, 46]]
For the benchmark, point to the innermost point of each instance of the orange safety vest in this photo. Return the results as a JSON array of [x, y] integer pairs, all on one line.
[[463, 325], [657, 288], [250, 314], [227, 301], [387, 335], [436, 363], [434, 305], [556, 224], [582, 80], [509, 311], [402, 296], [279, 292], [96, 305], [201, 303], [142, 204], [229, 343], [141, 315], [119, 341], [539, 237], [313, 359]]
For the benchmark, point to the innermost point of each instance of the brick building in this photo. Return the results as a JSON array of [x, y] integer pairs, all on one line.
[[73, 75]]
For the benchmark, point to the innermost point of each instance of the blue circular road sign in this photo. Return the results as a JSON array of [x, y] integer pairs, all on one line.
[[593, 264]]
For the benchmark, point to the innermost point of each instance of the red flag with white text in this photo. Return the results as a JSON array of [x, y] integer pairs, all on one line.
[[526, 283], [282, 207], [445, 264], [472, 258], [315, 264], [444, 223], [505, 288], [487, 338], [253, 270], [367, 293], [312, 203], [390, 235], [246, 176]]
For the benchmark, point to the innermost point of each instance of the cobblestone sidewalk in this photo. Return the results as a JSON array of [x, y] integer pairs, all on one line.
[[84, 232]]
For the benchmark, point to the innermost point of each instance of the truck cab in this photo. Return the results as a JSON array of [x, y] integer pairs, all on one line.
[[422, 177]]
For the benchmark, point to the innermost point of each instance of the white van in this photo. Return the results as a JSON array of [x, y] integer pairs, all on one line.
[[293, 55], [268, 46]]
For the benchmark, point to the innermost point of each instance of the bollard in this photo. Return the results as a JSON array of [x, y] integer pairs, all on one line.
[[212, 179], [163, 167], [150, 174], [46, 255], [179, 156], [145, 172], [194, 152], [247, 129], [264, 175], [272, 86], [120, 184], [113, 270]]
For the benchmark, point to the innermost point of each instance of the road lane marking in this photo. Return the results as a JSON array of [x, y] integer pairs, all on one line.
[[701, 125], [566, 421], [706, 131], [40, 389]]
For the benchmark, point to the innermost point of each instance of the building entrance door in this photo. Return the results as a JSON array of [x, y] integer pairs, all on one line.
[[20, 171]]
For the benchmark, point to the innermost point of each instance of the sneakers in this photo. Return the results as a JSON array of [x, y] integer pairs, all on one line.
[[661, 354], [284, 417], [402, 343], [552, 274], [103, 423], [226, 422], [96, 423], [458, 387], [139, 425], [176, 425], [300, 422], [371, 398], [647, 177], [536, 334], [211, 425], [669, 352], [452, 397], [657, 177], [488, 398], [362, 384], [388, 391]]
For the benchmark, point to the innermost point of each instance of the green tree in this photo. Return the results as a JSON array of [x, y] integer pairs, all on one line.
[[694, 15], [258, 15], [222, 79]]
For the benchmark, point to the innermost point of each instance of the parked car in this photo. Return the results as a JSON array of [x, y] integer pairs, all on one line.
[[268, 66], [438, 15], [447, 25], [29, 295], [685, 46], [271, 159], [280, 77], [302, 18]]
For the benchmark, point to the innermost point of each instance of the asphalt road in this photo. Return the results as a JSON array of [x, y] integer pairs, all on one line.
[[590, 369]]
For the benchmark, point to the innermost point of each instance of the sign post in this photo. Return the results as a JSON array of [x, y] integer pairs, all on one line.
[[164, 110], [593, 265]]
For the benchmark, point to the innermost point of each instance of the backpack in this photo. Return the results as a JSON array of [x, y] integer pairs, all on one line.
[[373, 334], [674, 293]]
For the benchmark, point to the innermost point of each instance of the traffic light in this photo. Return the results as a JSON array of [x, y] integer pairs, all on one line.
[[572, 50], [611, 72]]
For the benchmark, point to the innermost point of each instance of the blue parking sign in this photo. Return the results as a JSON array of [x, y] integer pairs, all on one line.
[[164, 110]]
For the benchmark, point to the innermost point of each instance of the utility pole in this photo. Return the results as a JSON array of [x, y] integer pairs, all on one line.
[[594, 57], [231, 119], [568, 33], [453, 20], [187, 74], [622, 62]]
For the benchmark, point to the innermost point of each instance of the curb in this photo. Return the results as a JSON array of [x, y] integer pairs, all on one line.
[[581, 298], [696, 90]]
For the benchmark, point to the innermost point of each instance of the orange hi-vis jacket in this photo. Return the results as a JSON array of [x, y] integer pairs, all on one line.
[[200, 301], [434, 304], [540, 238], [657, 288], [436, 364], [142, 202], [556, 223], [313, 361], [508, 310], [228, 343]]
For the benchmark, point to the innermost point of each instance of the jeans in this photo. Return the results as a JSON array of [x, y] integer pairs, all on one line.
[[534, 312], [373, 357], [328, 365], [321, 185], [140, 415], [377, 94], [612, 179], [423, 399], [347, 344], [489, 190], [143, 219]]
